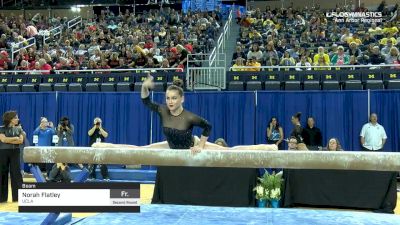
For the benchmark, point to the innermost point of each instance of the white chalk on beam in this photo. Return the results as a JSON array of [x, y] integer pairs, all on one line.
[[343, 160]]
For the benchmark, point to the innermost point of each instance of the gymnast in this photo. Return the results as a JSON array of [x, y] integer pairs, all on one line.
[[178, 123]]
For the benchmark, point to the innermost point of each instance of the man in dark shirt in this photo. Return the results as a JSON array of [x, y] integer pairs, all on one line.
[[98, 134], [312, 136]]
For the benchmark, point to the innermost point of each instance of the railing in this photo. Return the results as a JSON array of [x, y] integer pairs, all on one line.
[[327, 67], [219, 49], [75, 21], [16, 47], [38, 72], [51, 33]]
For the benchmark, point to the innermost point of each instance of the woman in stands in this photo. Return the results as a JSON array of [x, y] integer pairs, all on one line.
[[178, 123]]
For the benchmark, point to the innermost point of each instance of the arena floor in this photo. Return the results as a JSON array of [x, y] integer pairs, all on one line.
[[174, 214]]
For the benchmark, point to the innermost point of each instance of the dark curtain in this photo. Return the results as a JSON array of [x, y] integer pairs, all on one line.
[[235, 116], [30, 108], [338, 114], [386, 105], [123, 115]]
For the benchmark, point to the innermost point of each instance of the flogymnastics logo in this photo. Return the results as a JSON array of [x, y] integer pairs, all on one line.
[[355, 17]]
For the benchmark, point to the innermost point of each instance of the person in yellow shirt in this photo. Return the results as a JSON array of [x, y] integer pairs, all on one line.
[[253, 62], [391, 30], [384, 40], [321, 54], [238, 63], [321, 62], [374, 30], [355, 39]]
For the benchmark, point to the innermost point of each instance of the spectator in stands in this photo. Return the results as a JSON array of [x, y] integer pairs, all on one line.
[[353, 61], [253, 63], [354, 39], [341, 58], [377, 57], [333, 145], [354, 50], [346, 35], [312, 135], [321, 54], [374, 30], [270, 54], [385, 50], [238, 53], [255, 52], [390, 29], [274, 133], [393, 57], [334, 51], [4, 59], [238, 63], [287, 60], [323, 65], [303, 62], [98, 134], [44, 66], [368, 39], [373, 135]]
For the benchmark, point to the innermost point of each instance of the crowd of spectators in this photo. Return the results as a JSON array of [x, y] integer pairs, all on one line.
[[306, 37], [155, 39]]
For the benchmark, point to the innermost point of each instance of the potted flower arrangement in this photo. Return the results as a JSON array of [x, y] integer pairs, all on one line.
[[261, 194], [269, 189], [274, 185]]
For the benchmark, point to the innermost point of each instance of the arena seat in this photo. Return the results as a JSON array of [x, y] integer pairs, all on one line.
[[391, 78], [311, 80], [330, 80], [236, 86], [45, 87], [372, 79], [272, 80], [292, 80], [351, 79]]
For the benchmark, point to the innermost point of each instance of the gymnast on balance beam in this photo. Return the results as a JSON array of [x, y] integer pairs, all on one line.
[[178, 123]]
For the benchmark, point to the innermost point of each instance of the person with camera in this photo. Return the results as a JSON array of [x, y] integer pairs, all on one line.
[[97, 134], [10, 138], [65, 132], [43, 136], [60, 172]]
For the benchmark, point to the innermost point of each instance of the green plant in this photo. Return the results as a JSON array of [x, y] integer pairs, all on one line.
[[272, 184]]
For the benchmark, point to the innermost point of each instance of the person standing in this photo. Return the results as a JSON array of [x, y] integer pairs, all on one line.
[[297, 130], [97, 134], [312, 135], [65, 132], [43, 136], [373, 135], [275, 133], [10, 138]]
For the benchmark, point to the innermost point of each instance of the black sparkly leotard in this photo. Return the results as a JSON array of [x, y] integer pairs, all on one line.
[[178, 129]]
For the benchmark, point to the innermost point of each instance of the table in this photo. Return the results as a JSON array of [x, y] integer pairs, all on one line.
[[205, 186], [374, 190]]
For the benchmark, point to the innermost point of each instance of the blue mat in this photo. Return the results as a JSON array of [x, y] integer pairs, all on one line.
[[131, 175], [9, 218], [202, 215]]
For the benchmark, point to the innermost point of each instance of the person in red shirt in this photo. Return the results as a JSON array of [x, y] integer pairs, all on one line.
[[3, 59], [44, 66]]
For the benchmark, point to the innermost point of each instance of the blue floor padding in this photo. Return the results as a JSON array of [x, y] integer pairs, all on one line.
[[11, 218], [147, 176], [202, 215]]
